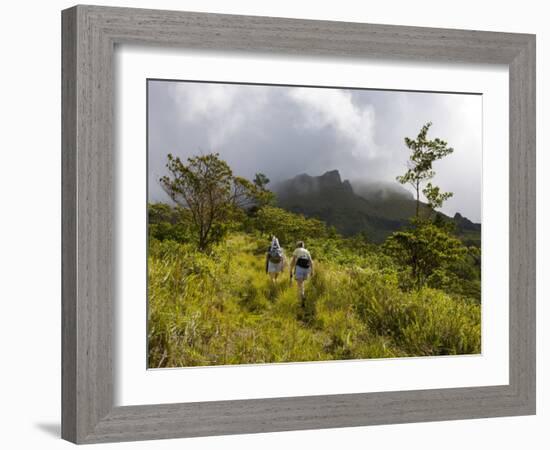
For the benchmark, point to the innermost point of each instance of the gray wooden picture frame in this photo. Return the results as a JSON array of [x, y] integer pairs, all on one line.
[[89, 35]]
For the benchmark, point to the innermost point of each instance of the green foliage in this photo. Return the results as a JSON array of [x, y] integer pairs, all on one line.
[[462, 277], [423, 153], [289, 227], [428, 250], [428, 253], [214, 197], [417, 295], [220, 308], [169, 223], [434, 196], [261, 195]]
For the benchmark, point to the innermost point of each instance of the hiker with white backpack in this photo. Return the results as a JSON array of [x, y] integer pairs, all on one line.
[[275, 259], [301, 267]]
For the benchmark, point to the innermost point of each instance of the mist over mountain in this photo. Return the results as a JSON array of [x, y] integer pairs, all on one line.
[[374, 208], [305, 184], [380, 190], [282, 131]]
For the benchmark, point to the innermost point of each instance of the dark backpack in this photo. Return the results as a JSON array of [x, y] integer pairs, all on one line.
[[303, 262], [275, 255]]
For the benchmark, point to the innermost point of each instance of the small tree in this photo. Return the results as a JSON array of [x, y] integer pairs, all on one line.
[[288, 226], [262, 196], [207, 187], [261, 181], [419, 167], [426, 249]]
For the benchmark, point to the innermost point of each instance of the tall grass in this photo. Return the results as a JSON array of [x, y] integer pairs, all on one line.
[[222, 309]]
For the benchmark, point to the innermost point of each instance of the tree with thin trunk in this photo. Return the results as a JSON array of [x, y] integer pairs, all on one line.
[[214, 196], [427, 248], [419, 168]]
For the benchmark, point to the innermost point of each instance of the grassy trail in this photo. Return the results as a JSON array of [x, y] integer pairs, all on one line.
[[248, 269], [224, 309]]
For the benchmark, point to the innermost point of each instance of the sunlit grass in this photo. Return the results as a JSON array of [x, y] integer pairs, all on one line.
[[223, 309]]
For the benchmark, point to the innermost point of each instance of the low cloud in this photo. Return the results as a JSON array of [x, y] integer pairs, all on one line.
[[283, 131]]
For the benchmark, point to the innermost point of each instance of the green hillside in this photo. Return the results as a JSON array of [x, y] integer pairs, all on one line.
[[219, 307], [380, 285], [374, 209]]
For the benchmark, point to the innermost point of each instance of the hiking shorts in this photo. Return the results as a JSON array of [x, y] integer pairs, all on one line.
[[301, 273], [274, 267]]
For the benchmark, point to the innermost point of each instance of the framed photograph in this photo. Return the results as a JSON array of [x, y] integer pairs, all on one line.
[[278, 224]]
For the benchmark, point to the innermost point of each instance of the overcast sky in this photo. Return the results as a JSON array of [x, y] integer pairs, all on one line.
[[284, 131]]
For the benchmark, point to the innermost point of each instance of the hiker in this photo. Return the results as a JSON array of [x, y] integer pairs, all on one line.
[[275, 259], [301, 266]]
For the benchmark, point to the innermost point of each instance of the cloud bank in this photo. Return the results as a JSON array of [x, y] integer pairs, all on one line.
[[283, 131]]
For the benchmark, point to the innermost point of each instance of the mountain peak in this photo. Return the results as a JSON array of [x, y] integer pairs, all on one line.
[[305, 184], [332, 176], [463, 223], [377, 208]]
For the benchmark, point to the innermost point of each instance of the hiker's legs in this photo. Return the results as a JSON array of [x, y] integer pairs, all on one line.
[[273, 276], [301, 288]]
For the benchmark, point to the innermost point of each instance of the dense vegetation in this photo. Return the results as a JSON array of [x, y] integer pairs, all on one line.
[[219, 307], [210, 301]]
